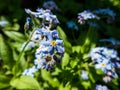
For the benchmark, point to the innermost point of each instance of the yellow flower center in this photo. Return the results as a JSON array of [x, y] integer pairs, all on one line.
[[38, 59], [38, 49], [103, 64], [113, 69], [86, 15], [46, 49], [53, 43], [108, 53]]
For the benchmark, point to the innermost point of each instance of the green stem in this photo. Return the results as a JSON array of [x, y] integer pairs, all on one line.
[[21, 53]]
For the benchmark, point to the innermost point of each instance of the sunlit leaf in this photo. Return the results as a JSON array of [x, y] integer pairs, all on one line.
[[6, 52], [76, 49], [15, 36], [25, 82], [67, 44], [86, 84], [4, 81], [89, 41], [52, 81], [65, 60]]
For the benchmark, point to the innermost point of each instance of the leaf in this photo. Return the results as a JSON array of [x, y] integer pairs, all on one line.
[[4, 81], [15, 27], [86, 84], [67, 44], [15, 36], [62, 87], [76, 49], [99, 71], [4, 85], [61, 33], [89, 41], [65, 60], [6, 52], [74, 62], [25, 82], [52, 81]]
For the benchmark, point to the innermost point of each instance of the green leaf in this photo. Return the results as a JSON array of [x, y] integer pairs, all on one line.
[[25, 82], [67, 87], [61, 33], [52, 81], [76, 49], [15, 36], [74, 62], [86, 84], [65, 60], [4, 85], [89, 41], [92, 77], [68, 46], [15, 27], [4, 81], [99, 71], [6, 52]]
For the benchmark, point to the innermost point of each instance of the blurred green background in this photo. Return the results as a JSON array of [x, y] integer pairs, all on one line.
[[65, 76]]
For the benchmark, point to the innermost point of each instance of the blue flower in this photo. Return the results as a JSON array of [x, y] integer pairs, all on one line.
[[50, 5], [29, 22], [93, 24], [30, 71], [110, 54], [101, 87], [84, 75], [86, 14], [111, 40], [104, 66], [39, 61], [44, 15], [53, 45], [102, 52], [51, 35], [37, 35], [107, 11], [51, 48], [107, 79], [72, 25], [4, 23]]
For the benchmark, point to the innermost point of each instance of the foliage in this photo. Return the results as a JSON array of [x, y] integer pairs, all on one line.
[[14, 59]]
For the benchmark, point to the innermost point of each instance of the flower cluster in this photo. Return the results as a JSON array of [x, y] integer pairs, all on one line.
[[51, 48], [107, 60], [50, 5], [106, 14], [101, 87], [96, 14], [86, 15], [107, 11], [113, 41]]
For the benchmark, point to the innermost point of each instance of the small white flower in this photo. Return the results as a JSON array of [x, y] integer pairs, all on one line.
[[3, 23], [84, 75]]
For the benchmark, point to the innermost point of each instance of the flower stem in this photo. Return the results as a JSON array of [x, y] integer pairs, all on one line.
[[20, 55]]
